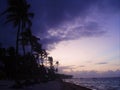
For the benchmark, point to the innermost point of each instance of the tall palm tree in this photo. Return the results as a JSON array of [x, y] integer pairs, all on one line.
[[18, 13]]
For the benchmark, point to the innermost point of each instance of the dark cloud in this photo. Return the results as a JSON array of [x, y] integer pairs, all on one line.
[[115, 4], [108, 6], [53, 17], [53, 12]]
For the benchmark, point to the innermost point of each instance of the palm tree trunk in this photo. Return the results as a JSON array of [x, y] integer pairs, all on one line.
[[23, 45], [17, 52], [17, 40], [31, 43]]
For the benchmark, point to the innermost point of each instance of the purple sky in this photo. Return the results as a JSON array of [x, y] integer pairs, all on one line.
[[81, 34]]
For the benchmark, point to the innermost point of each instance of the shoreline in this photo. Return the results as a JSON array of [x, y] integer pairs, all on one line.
[[71, 86]]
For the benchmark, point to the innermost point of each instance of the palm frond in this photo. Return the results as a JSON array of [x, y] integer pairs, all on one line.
[[9, 20], [30, 15]]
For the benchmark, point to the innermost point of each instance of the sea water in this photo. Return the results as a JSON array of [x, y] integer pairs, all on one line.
[[97, 83]]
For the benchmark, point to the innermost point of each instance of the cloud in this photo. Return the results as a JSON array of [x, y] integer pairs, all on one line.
[[109, 73], [54, 12], [81, 66], [93, 74], [101, 63], [109, 6], [71, 31], [69, 68], [62, 20]]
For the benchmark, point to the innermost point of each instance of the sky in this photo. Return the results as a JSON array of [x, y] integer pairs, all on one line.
[[83, 35]]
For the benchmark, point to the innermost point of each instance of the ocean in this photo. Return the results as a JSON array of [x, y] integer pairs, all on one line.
[[97, 83]]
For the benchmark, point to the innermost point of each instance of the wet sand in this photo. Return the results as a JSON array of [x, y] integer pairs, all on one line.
[[70, 86]]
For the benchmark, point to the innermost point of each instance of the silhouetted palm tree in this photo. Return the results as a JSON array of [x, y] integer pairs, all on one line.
[[18, 13], [26, 39], [29, 39], [43, 55], [50, 59], [57, 63]]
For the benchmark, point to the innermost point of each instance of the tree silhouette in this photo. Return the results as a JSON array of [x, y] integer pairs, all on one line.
[[57, 63], [50, 61], [51, 70], [26, 66], [18, 13], [26, 39]]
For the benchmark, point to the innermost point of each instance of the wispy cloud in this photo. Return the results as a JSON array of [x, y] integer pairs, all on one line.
[[68, 67], [81, 66], [72, 31], [101, 63]]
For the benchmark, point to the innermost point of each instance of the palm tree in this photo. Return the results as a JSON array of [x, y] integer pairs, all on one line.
[[18, 13], [50, 62], [29, 39], [36, 46], [26, 39], [57, 63]]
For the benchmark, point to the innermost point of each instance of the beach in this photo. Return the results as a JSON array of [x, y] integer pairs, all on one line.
[[70, 86], [51, 85]]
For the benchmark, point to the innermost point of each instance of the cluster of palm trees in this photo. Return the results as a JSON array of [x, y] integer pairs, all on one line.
[[18, 13]]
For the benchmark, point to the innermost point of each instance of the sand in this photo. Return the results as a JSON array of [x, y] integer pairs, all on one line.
[[51, 85], [70, 86]]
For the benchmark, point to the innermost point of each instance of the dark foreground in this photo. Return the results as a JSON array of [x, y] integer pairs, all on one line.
[[70, 86], [51, 85]]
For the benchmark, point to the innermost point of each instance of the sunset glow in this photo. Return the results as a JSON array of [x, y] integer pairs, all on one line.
[[83, 35]]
